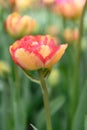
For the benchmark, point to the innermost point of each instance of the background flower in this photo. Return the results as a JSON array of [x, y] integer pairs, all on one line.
[[70, 8], [17, 25], [20, 5]]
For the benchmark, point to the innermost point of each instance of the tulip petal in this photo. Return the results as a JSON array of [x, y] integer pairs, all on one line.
[[27, 60], [44, 51], [56, 57]]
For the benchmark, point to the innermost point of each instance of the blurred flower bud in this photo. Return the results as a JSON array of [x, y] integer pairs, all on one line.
[[53, 30], [53, 78], [4, 68], [75, 34], [67, 34], [70, 8], [71, 34], [20, 5], [18, 26]]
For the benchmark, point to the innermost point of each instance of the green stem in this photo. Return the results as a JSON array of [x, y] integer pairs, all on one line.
[[46, 100], [64, 22], [16, 79], [81, 30], [77, 63]]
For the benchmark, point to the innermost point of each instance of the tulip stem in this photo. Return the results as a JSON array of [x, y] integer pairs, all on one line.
[[81, 29], [46, 100], [16, 79], [77, 64]]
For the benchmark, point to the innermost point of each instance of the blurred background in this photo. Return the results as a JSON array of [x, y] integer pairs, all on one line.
[[21, 101]]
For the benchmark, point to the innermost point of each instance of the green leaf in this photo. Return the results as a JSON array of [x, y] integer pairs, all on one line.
[[78, 122], [85, 125], [55, 105], [33, 127]]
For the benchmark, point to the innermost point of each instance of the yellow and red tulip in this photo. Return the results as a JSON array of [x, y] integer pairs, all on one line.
[[36, 52]]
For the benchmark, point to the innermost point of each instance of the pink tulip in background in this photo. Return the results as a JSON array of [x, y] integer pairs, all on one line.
[[70, 8]]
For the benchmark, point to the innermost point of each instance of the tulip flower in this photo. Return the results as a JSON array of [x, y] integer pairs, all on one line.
[[36, 52], [70, 8], [71, 34], [18, 26], [20, 5]]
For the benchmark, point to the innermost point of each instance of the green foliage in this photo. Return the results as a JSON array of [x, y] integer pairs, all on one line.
[[85, 124], [55, 106], [78, 123]]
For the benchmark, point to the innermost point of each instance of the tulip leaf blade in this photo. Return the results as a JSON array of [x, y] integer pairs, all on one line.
[[78, 122], [55, 105], [85, 124]]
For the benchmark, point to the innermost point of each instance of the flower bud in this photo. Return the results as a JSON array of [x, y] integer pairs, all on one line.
[[36, 52], [18, 26], [4, 68], [54, 77], [67, 34], [71, 34], [70, 8], [20, 5]]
